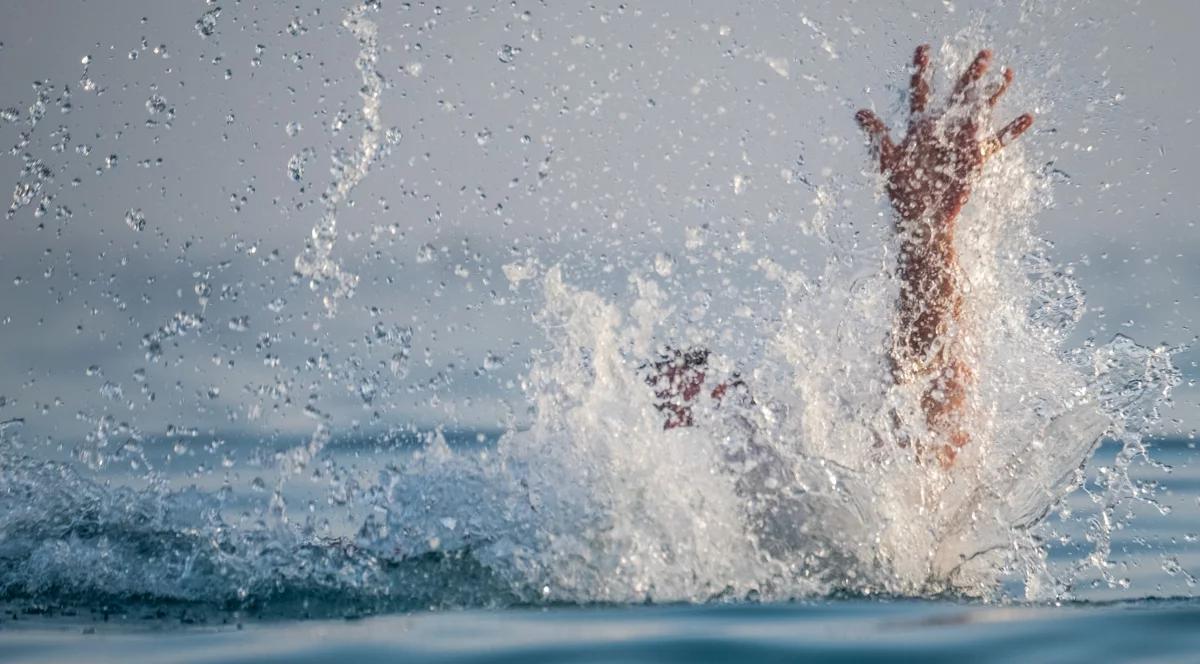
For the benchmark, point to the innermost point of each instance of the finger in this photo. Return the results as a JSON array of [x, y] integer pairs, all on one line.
[[998, 90], [973, 73], [877, 131], [919, 92], [1014, 129], [1008, 134], [871, 124]]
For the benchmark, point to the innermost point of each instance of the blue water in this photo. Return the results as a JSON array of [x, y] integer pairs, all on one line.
[[448, 608], [851, 631]]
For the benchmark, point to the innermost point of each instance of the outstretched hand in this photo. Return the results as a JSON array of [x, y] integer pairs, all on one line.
[[929, 176], [929, 173]]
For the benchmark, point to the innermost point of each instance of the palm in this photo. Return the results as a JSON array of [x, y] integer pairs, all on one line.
[[933, 167], [929, 173]]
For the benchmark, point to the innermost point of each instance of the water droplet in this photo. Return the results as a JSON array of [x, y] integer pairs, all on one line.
[[297, 163], [295, 168], [492, 361], [110, 390], [367, 390], [203, 290], [156, 104], [135, 219], [740, 182], [206, 25], [664, 264], [1172, 567], [508, 53]]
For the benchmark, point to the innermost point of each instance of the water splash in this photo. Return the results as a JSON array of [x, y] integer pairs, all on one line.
[[802, 487], [325, 274]]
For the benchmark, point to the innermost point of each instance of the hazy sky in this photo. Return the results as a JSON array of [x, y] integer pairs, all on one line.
[[594, 134]]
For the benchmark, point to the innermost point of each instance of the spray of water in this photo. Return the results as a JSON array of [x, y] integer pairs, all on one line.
[[802, 486], [316, 263]]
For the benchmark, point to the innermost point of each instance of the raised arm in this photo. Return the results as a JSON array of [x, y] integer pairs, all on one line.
[[928, 179]]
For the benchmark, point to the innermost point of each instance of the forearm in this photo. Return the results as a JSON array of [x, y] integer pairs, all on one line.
[[930, 300], [926, 346]]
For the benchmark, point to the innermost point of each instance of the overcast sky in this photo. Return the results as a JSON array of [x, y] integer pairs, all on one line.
[[594, 134]]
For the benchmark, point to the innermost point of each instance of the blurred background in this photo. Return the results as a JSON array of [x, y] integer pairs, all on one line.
[[168, 161]]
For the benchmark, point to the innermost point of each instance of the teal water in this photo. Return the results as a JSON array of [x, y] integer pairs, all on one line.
[[449, 609], [1162, 630]]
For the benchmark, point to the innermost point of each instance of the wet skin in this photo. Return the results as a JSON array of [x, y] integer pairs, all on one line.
[[928, 178]]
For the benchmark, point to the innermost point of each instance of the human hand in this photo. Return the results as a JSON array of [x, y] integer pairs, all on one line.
[[929, 174]]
